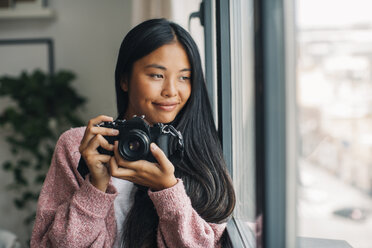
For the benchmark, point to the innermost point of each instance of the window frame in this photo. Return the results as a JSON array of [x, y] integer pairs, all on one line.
[[271, 154], [275, 117]]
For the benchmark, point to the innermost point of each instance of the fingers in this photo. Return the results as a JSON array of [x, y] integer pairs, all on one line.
[[103, 131], [99, 119], [91, 155], [159, 155], [92, 130], [98, 159], [119, 171], [133, 165], [155, 176], [97, 141], [163, 162], [141, 167], [92, 139], [146, 177]]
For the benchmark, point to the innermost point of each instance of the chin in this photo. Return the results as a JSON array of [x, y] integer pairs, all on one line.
[[164, 119], [168, 120]]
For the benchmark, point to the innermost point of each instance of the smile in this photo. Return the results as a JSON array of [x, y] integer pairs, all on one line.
[[166, 106]]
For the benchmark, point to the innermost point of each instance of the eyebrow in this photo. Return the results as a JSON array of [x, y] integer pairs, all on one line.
[[156, 66], [162, 67]]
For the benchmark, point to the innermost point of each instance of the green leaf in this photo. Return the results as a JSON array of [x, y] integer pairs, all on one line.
[[7, 166], [18, 177], [23, 163], [40, 178], [30, 218], [14, 150], [19, 203]]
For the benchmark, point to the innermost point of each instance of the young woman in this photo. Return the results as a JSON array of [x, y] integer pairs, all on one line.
[[185, 204]]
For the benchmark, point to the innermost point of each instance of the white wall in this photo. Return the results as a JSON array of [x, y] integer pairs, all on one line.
[[87, 35]]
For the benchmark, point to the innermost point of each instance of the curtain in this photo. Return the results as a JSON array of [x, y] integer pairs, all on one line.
[[147, 9]]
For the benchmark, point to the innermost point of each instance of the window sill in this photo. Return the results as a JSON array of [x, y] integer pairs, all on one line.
[[241, 234], [305, 242]]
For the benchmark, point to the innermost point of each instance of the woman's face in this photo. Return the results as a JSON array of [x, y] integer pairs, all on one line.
[[160, 84]]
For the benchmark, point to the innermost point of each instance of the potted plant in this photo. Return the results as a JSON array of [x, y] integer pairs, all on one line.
[[41, 107]]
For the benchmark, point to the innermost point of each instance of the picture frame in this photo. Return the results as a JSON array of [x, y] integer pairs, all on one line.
[[26, 54]]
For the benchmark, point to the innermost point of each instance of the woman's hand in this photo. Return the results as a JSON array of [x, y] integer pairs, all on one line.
[[93, 138], [156, 176]]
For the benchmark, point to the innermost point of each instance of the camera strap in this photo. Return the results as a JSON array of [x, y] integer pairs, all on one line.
[[177, 155]]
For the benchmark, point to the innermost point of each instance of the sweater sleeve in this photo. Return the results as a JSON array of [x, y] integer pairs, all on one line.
[[71, 212], [179, 223]]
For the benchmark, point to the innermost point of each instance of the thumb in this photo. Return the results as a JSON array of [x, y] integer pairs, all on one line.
[[160, 156]]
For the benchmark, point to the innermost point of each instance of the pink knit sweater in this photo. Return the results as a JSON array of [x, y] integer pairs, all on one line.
[[73, 213]]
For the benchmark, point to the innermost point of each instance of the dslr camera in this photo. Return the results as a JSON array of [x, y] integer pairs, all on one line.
[[136, 135]]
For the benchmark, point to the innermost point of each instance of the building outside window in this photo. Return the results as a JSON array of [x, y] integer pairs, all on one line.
[[335, 126]]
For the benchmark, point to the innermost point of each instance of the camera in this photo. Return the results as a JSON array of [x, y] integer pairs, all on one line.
[[136, 135]]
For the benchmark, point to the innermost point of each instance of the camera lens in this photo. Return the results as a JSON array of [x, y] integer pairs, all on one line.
[[134, 145]]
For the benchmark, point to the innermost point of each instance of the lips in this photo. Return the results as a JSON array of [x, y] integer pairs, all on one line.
[[167, 106]]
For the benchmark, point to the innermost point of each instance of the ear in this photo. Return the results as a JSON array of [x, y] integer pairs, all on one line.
[[124, 84]]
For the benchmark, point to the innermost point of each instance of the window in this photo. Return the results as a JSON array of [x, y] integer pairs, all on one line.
[[252, 76], [242, 115], [235, 76], [294, 99], [334, 102]]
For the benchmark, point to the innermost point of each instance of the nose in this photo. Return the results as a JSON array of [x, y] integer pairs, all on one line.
[[169, 88]]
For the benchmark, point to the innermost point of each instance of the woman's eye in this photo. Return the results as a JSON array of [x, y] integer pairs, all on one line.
[[184, 78], [156, 76]]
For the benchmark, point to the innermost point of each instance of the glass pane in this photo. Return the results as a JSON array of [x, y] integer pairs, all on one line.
[[242, 83], [335, 120]]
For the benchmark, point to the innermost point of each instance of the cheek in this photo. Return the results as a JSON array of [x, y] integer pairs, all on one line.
[[186, 92], [142, 92], [150, 92]]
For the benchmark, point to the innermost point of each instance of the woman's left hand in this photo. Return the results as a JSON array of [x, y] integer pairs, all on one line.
[[156, 176]]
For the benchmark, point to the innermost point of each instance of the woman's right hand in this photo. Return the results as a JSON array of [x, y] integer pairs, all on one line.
[[96, 162]]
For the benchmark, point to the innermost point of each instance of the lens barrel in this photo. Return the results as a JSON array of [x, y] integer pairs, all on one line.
[[135, 145]]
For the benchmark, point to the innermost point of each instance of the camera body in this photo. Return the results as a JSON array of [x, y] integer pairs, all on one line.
[[135, 137]]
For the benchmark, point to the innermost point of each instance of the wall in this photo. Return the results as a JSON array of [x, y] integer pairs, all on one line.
[[87, 35]]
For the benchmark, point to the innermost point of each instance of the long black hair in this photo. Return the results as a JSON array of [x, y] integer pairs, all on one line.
[[203, 169]]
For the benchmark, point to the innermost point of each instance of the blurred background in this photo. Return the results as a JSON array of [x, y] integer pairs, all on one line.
[[334, 94]]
